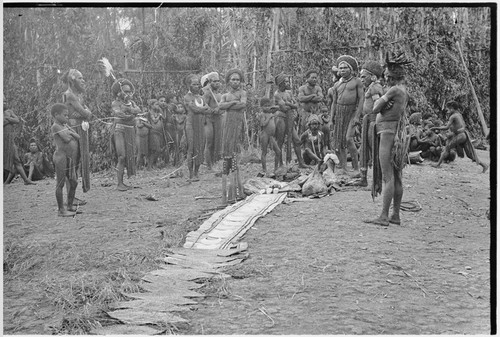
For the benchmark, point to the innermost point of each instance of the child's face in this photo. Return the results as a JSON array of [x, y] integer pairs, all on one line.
[[314, 126], [62, 117], [33, 147]]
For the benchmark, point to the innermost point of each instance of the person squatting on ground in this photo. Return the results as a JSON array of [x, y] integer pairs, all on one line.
[[196, 109], [213, 120], [310, 96], [34, 162], [124, 111], [158, 142], [391, 144], [65, 158], [458, 137], [348, 97], [234, 103], [79, 117], [285, 121], [313, 141], [142, 130], [11, 160], [267, 132], [370, 75]]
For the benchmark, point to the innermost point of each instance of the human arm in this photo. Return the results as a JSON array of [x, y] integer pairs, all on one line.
[[360, 99], [382, 101], [118, 110], [318, 95], [74, 102], [64, 133], [302, 97], [333, 109], [10, 118]]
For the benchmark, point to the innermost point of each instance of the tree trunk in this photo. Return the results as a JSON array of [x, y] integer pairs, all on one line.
[[269, 58]]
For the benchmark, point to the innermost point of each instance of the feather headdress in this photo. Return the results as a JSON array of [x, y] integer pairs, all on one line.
[[397, 60], [106, 67]]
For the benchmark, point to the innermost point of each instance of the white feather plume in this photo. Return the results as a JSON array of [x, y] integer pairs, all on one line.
[[107, 67]]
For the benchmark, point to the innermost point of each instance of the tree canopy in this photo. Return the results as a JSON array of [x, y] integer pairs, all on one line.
[[157, 46]]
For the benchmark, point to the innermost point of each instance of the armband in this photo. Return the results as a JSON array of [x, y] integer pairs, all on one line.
[[384, 98]]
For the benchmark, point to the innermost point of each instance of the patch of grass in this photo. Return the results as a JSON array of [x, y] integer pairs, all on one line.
[[19, 259]]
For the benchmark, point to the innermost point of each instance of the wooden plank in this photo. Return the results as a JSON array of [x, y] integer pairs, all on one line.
[[166, 288], [172, 299], [150, 304], [125, 329], [171, 280], [137, 316]]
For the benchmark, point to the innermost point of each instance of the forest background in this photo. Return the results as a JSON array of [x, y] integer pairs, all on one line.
[[156, 47]]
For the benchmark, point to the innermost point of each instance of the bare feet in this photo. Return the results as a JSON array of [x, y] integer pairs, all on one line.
[[485, 167], [79, 202], [378, 221], [355, 174], [436, 165], [74, 210], [394, 219], [65, 213], [122, 187], [29, 182], [302, 165]]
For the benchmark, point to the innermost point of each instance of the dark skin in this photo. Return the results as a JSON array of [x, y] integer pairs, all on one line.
[[266, 136], [9, 120], [287, 105], [66, 141]]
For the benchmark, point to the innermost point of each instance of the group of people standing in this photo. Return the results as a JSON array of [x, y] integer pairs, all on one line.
[[313, 124]]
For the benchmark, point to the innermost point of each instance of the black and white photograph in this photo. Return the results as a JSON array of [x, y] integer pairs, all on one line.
[[249, 168]]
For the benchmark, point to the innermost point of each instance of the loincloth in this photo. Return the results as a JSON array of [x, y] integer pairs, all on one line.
[[399, 153], [343, 118], [232, 133], [128, 132], [83, 156], [367, 129], [387, 127]]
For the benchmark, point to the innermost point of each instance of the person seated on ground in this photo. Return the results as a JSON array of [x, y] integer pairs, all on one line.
[[430, 144], [65, 158], [11, 160], [458, 137], [267, 133], [34, 162], [415, 131], [313, 142]]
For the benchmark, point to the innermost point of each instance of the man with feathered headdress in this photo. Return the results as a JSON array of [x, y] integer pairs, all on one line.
[[391, 144], [371, 72], [79, 116], [213, 120], [347, 104], [124, 111]]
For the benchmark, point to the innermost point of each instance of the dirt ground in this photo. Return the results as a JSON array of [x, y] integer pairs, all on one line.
[[314, 266]]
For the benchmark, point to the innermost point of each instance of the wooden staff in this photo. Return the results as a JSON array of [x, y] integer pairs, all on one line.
[[479, 111]]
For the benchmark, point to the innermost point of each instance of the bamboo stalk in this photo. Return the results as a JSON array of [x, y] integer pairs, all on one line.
[[476, 100]]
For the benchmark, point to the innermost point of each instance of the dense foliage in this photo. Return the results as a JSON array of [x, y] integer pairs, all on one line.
[[163, 44]]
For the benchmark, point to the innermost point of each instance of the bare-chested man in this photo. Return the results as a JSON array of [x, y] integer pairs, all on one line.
[[458, 137], [11, 159], [124, 111], [213, 120], [389, 162], [267, 133], [310, 95], [370, 75], [285, 121], [348, 97], [234, 102], [79, 117], [196, 110]]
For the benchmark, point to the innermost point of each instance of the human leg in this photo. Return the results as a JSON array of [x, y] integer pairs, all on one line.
[[264, 143], [351, 146], [209, 143], [20, 170], [385, 152], [120, 152], [398, 197], [60, 166], [296, 146]]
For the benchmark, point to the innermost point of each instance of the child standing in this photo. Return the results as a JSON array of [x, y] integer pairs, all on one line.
[[65, 158]]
